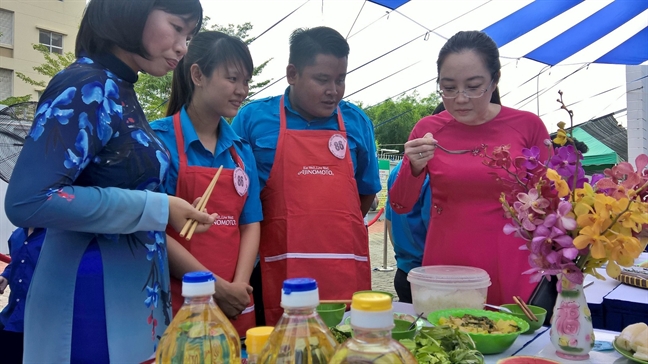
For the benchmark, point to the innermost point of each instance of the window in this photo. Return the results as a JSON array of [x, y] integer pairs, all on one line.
[[6, 83], [53, 41], [6, 28]]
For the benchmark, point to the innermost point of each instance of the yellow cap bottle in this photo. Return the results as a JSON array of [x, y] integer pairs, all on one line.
[[255, 340], [372, 321]]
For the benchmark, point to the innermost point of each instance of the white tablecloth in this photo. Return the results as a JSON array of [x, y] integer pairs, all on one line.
[[542, 347]]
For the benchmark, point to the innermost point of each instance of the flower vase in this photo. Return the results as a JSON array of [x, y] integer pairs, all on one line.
[[572, 332]]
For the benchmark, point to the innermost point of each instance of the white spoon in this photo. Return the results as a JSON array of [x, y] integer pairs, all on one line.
[[500, 308]]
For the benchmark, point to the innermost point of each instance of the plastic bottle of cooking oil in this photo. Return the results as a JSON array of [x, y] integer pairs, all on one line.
[[255, 340], [300, 337], [372, 321], [200, 332]]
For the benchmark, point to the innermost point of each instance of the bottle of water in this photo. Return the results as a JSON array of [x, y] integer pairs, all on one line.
[[300, 337], [200, 332], [372, 321]]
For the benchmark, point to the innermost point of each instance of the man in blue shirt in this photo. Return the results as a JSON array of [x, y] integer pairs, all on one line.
[[24, 247], [318, 171], [407, 234]]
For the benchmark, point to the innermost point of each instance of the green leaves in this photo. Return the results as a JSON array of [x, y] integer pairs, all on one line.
[[443, 345], [341, 333]]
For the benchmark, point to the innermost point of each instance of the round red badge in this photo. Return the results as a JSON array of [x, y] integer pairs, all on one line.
[[337, 145], [241, 181]]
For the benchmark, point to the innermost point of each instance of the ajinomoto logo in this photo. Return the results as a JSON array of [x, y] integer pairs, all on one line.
[[316, 170], [225, 221]]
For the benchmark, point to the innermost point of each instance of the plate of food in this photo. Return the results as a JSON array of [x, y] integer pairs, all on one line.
[[492, 332], [633, 343], [627, 353]]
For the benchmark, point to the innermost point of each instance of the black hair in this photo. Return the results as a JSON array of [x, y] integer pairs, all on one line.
[[439, 109], [306, 44], [208, 50], [480, 43], [109, 23]]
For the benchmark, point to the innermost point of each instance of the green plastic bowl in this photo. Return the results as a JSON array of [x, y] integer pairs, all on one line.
[[485, 343], [331, 313], [401, 330], [540, 313]]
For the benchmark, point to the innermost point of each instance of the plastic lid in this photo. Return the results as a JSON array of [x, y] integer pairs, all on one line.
[[371, 302], [299, 285], [450, 275], [299, 292], [196, 284], [372, 311], [256, 338]]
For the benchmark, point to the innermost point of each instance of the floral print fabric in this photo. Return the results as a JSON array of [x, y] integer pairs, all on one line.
[[87, 172]]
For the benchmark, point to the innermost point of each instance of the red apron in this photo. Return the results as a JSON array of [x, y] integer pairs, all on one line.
[[217, 248], [312, 224]]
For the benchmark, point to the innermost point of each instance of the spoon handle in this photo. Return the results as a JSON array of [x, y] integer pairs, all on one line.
[[500, 308], [414, 323]]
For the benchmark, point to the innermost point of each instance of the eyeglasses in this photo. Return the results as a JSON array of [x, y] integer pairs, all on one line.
[[471, 92]]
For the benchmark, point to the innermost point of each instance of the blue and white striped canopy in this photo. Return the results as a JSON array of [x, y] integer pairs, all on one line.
[[576, 31]]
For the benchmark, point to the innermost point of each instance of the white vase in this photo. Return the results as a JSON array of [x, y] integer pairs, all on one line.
[[572, 332]]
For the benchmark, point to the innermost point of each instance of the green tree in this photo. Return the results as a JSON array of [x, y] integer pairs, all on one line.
[[153, 92], [53, 64], [394, 119]]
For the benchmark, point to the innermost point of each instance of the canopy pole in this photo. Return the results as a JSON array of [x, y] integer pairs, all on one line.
[[384, 267]]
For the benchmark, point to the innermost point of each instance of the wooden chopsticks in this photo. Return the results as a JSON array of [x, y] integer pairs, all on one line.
[[191, 224], [525, 308], [348, 302]]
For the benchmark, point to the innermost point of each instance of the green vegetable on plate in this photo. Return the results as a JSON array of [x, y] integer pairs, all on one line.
[[443, 345]]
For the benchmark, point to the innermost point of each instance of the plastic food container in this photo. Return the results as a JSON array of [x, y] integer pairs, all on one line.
[[440, 287]]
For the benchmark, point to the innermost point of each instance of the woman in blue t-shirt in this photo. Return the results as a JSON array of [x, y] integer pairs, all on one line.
[[210, 84]]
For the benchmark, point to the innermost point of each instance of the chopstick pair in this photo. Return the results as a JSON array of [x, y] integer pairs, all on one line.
[[347, 302], [191, 224], [525, 308]]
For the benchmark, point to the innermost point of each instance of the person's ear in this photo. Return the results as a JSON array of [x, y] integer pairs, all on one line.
[[197, 76], [292, 74]]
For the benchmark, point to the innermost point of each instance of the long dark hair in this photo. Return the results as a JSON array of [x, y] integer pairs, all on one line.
[[109, 23], [208, 50], [480, 43]]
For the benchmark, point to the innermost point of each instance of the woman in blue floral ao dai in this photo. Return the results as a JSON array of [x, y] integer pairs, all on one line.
[[100, 292]]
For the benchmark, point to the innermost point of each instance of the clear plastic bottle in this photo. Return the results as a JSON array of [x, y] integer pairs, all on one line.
[[372, 321], [300, 337], [255, 340], [200, 332]]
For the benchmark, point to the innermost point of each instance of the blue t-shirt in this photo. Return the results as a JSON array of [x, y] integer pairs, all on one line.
[[197, 155], [409, 230], [24, 251], [258, 123]]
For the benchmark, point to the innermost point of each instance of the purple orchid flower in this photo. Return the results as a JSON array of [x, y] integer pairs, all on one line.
[[533, 200], [563, 220], [544, 239], [564, 158], [572, 273], [531, 157], [528, 219], [596, 177]]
